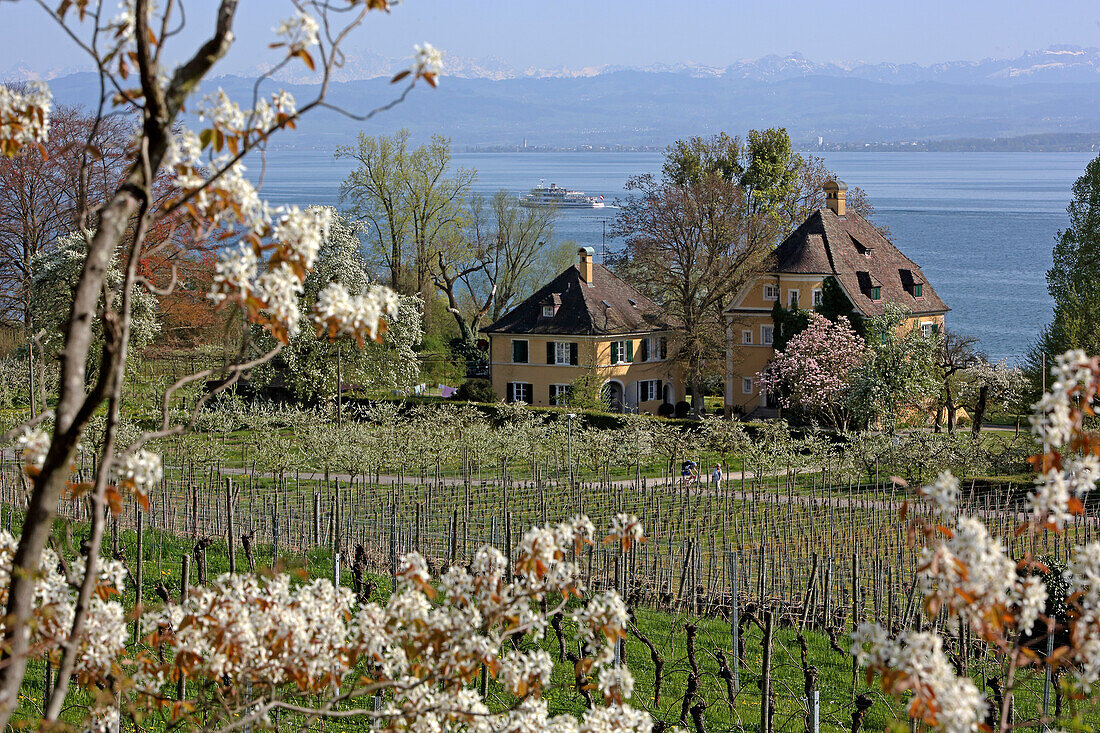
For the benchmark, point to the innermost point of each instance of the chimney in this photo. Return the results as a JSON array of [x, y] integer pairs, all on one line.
[[585, 265], [834, 196]]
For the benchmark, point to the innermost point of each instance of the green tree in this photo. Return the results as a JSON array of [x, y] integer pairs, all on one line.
[[1073, 280], [899, 372], [834, 304], [375, 193], [410, 202], [501, 255]]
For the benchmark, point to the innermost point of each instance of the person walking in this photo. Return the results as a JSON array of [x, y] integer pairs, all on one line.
[[716, 477]]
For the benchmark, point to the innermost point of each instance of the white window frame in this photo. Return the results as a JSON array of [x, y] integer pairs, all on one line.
[[746, 337], [556, 392], [746, 385], [512, 346], [518, 388], [618, 352], [562, 347], [771, 292], [818, 297], [926, 328], [548, 311], [767, 335], [792, 298], [647, 390]]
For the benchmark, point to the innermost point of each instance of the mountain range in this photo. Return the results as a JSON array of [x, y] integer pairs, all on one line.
[[1055, 64], [488, 103]]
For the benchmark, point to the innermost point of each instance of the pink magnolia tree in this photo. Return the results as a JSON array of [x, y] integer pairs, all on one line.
[[813, 372]]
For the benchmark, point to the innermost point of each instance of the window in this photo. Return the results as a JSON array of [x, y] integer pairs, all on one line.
[[746, 385], [622, 352], [647, 354], [918, 290], [519, 352], [649, 389], [548, 311], [876, 293], [561, 353], [817, 297], [792, 299], [519, 392], [771, 292], [766, 335], [746, 336], [926, 329], [559, 393]]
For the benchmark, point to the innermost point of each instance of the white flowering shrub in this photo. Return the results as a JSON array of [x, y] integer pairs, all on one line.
[[271, 646], [968, 574], [100, 643]]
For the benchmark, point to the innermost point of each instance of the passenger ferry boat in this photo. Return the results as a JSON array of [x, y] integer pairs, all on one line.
[[555, 195]]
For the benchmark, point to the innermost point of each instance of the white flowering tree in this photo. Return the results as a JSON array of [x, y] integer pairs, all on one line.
[[967, 574], [54, 273], [208, 195], [311, 366]]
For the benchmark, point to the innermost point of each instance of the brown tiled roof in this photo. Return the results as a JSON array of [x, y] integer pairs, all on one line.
[[608, 306], [851, 249]]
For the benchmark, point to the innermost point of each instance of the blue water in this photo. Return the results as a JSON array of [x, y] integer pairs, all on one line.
[[980, 225]]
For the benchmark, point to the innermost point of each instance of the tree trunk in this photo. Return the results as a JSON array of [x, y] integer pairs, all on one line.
[[979, 410]]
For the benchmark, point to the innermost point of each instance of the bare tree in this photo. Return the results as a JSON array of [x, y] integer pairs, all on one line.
[[213, 195], [42, 195], [954, 354], [501, 255]]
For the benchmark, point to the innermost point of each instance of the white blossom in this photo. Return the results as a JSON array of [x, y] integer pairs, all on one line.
[[34, 444], [943, 493], [141, 470], [427, 59], [24, 116], [234, 273], [298, 31], [956, 703]]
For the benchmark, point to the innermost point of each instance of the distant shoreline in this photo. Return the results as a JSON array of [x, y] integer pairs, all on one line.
[[1038, 143]]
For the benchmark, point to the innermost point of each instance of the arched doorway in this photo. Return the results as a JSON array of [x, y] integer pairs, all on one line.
[[612, 395]]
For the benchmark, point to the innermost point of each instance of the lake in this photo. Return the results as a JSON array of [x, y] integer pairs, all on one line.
[[980, 225]]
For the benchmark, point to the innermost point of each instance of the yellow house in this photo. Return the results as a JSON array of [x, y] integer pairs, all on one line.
[[585, 321], [831, 243]]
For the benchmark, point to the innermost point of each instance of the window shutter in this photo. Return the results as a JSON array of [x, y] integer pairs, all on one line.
[[549, 352], [664, 348], [630, 350], [645, 349], [552, 395], [573, 353], [660, 390], [508, 392]]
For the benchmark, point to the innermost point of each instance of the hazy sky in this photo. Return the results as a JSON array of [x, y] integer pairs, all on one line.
[[577, 33]]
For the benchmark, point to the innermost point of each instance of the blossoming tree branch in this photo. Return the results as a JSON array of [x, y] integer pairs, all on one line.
[[209, 195]]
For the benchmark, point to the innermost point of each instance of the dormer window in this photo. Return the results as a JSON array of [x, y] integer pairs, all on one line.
[[918, 290], [632, 302], [876, 292], [548, 311]]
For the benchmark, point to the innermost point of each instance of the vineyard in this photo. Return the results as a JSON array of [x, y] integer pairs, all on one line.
[[756, 581]]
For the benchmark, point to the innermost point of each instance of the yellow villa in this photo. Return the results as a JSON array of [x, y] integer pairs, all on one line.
[[585, 321], [831, 243]]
